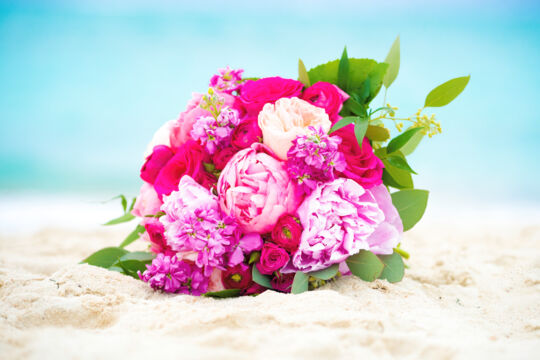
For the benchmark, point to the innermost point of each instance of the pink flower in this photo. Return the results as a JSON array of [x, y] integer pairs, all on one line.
[[237, 277], [327, 96], [255, 94], [187, 160], [288, 118], [287, 232], [227, 81], [148, 201], [388, 234], [180, 130], [215, 283], [222, 157], [363, 166], [256, 190], [155, 235], [272, 258], [338, 218], [155, 162], [282, 282], [247, 244], [246, 133]]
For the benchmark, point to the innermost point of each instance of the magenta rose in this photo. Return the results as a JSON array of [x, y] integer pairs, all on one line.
[[161, 154], [287, 232], [363, 166], [222, 157], [256, 190], [254, 289], [327, 96], [187, 160], [237, 277], [254, 94], [272, 258], [155, 232], [246, 133], [282, 282]]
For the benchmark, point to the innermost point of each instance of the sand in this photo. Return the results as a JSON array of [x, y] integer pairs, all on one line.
[[472, 291]]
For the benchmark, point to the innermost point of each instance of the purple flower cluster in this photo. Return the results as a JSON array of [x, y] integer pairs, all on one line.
[[227, 81], [171, 275], [313, 158], [216, 133]]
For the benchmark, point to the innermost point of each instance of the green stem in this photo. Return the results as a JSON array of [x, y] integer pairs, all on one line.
[[402, 252]]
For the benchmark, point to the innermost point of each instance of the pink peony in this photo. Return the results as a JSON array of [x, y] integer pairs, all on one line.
[[272, 258], [180, 130], [161, 154], [327, 96], [283, 121], [363, 166], [246, 133], [287, 232], [388, 234], [338, 218], [148, 201], [255, 94], [256, 190]]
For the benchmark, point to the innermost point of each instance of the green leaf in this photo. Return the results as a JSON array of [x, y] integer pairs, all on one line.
[[411, 205], [254, 257], [303, 76], [132, 205], [342, 123], [131, 267], [388, 180], [355, 107], [393, 176], [377, 133], [399, 162], [122, 219], [326, 274], [360, 127], [394, 268], [260, 279], [105, 257], [134, 235], [142, 256], [209, 167], [343, 71], [444, 94], [300, 283], [411, 145], [392, 59], [399, 141], [366, 265], [227, 293]]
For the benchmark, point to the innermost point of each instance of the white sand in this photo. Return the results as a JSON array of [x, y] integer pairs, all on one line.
[[472, 291]]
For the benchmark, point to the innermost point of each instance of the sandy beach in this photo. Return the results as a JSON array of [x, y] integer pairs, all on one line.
[[472, 291]]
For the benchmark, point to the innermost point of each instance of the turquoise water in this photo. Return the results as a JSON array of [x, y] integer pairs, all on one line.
[[83, 85]]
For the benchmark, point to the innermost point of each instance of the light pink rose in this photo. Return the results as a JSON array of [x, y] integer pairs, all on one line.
[[256, 190], [339, 218], [148, 202], [283, 121], [181, 128]]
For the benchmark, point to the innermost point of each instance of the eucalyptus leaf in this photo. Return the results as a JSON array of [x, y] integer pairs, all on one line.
[[412, 144], [326, 274], [394, 269], [404, 179], [444, 94], [303, 76], [377, 133], [399, 141], [300, 283], [399, 162], [122, 219], [260, 279], [342, 123], [343, 71], [134, 235], [227, 293], [392, 59], [411, 205], [360, 127], [366, 265], [105, 257]]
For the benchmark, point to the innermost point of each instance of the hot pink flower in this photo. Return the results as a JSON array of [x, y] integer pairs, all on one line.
[[282, 282], [327, 96], [237, 277], [222, 157], [246, 133], [155, 162], [287, 232], [255, 94], [256, 190], [363, 166], [272, 258], [155, 235]]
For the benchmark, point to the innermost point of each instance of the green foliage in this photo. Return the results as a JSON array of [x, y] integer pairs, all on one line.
[[259, 278], [377, 133], [392, 59], [412, 144], [300, 283], [399, 162], [360, 127], [401, 140], [394, 269], [343, 71], [444, 94], [122, 219], [326, 274], [411, 205], [303, 76], [227, 293], [366, 265], [134, 235], [105, 257], [394, 176], [342, 123]]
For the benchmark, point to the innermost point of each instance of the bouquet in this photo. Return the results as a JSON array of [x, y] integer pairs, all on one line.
[[282, 184]]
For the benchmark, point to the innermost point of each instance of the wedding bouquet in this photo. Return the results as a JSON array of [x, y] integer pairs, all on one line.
[[283, 184]]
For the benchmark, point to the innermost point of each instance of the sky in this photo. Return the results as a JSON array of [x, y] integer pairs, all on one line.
[[84, 84]]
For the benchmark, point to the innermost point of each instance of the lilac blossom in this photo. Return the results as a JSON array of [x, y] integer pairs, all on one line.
[[215, 133], [227, 81]]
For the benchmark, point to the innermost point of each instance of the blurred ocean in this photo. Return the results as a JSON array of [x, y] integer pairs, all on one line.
[[84, 84]]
